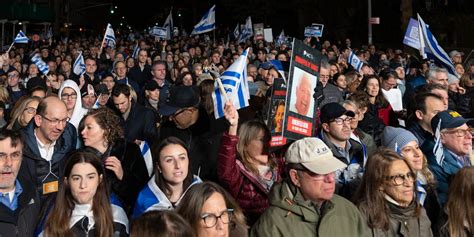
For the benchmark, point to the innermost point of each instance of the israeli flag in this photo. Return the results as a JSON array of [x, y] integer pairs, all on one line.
[[169, 26], [429, 48], [109, 36], [158, 32], [146, 153], [79, 66], [438, 150], [42, 66], [247, 31], [281, 38], [135, 51], [207, 22], [355, 61], [21, 38], [279, 67], [234, 80], [236, 31]]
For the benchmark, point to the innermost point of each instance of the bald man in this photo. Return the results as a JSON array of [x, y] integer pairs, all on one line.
[[48, 138], [303, 96]]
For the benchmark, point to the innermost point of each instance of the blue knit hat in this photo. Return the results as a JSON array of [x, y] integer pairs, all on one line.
[[396, 138]]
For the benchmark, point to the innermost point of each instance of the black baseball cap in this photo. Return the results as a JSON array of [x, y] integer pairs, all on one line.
[[333, 110], [180, 97]]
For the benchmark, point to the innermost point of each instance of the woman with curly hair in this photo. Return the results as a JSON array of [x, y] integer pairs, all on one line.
[[125, 167]]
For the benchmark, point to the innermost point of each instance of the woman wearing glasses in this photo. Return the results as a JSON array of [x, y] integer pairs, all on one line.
[[23, 111], [387, 197], [211, 211], [172, 178], [70, 94], [406, 145]]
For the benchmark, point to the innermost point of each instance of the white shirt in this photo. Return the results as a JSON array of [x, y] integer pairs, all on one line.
[[46, 151]]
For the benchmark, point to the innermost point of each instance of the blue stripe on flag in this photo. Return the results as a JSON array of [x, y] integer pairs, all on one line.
[[231, 74], [229, 82], [220, 107]]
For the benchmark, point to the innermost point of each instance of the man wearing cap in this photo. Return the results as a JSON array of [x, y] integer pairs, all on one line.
[[456, 140], [88, 96], [187, 121], [137, 121], [304, 204], [336, 133]]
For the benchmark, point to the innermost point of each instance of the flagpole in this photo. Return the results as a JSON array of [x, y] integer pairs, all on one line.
[[102, 44], [8, 50], [221, 87]]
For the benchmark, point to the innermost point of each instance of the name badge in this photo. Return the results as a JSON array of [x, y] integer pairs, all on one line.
[[50, 187]]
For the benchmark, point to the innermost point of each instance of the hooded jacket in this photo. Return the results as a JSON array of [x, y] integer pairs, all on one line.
[[290, 215], [79, 112]]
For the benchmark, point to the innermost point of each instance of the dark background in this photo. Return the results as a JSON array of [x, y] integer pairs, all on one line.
[[450, 21]]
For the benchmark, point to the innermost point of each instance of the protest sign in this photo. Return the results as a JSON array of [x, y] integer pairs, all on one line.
[[315, 30], [300, 109], [412, 35]]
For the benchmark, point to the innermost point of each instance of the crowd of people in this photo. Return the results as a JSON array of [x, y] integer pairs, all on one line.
[[392, 155]]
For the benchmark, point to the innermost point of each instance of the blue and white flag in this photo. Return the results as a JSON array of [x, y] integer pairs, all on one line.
[[158, 32], [136, 50], [21, 38], [49, 33], [236, 31], [79, 66], [279, 67], [109, 36], [234, 80], [429, 48], [438, 150], [42, 66], [169, 26], [355, 61], [247, 31], [207, 22], [146, 153], [281, 38]]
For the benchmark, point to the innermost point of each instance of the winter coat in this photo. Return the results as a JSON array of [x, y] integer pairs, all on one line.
[[22, 221], [242, 184], [404, 222], [140, 124], [37, 168], [290, 215]]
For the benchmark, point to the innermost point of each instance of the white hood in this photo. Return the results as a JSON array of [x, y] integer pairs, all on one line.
[[78, 112]]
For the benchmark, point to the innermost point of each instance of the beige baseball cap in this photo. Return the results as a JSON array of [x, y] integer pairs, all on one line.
[[314, 155]]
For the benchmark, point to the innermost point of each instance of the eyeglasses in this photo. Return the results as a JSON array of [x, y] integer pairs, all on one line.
[[14, 156], [210, 220], [30, 110], [400, 178], [460, 132], [67, 96], [55, 122], [340, 121]]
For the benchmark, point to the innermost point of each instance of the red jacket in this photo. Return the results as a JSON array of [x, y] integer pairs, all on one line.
[[240, 182]]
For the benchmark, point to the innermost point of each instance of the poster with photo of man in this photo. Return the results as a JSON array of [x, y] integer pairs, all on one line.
[[300, 110]]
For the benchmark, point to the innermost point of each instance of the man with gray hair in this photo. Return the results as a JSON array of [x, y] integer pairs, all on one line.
[[437, 75]]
